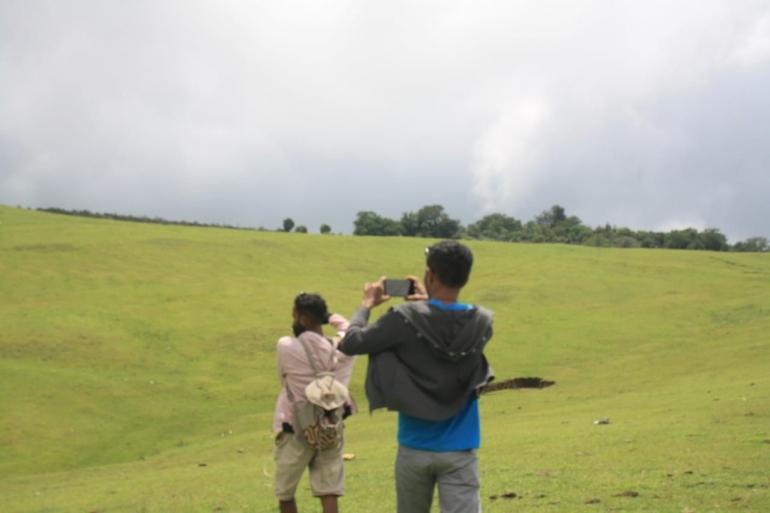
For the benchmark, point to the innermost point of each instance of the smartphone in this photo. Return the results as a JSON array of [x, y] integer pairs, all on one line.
[[399, 288]]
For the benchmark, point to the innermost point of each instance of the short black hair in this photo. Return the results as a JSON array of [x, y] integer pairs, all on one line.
[[312, 305], [451, 262]]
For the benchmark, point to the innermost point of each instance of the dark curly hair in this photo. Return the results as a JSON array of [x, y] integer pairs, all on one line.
[[451, 262], [312, 305]]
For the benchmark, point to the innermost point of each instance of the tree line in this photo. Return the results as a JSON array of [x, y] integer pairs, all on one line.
[[551, 226], [288, 223], [142, 219]]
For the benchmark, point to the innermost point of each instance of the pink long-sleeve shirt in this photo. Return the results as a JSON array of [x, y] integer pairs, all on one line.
[[295, 372]]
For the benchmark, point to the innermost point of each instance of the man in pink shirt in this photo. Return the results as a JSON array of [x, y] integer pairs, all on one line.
[[292, 453]]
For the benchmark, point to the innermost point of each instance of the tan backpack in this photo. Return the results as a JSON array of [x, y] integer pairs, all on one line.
[[319, 420]]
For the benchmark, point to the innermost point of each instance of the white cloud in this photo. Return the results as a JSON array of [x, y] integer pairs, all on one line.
[[506, 157], [753, 47]]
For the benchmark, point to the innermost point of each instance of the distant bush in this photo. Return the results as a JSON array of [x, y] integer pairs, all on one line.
[[626, 242], [597, 241], [753, 244]]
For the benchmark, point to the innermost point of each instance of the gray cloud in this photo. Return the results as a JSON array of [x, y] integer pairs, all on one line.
[[643, 114]]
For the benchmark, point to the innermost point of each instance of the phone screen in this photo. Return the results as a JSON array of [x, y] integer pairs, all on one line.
[[399, 288]]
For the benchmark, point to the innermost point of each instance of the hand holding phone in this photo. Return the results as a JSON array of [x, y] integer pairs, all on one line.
[[419, 293], [374, 294], [398, 288]]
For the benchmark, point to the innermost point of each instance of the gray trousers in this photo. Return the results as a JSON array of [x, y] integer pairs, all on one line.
[[455, 473]]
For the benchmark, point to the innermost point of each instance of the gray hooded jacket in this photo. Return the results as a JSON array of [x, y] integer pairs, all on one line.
[[424, 361]]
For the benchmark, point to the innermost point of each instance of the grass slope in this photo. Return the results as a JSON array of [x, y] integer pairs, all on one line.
[[137, 369]]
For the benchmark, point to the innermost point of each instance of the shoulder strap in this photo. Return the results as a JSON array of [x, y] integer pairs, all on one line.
[[329, 364]]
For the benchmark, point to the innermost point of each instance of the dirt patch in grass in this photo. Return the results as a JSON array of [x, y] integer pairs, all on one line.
[[516, 383]]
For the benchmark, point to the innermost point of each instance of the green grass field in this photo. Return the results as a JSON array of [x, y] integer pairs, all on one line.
[[137, 370]]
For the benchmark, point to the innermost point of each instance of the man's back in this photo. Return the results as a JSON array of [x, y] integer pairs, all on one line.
[[295, 371], [424, 361]]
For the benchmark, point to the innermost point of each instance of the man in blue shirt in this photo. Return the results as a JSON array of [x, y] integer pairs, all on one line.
[[426, 361]]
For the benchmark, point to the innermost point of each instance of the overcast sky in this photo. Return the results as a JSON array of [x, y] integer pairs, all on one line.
[[650, 114]]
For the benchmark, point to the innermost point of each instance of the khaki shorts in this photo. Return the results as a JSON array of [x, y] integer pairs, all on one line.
[[292, 456]]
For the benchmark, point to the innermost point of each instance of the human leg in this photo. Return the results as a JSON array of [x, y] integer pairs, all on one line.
[[291, 458], [415, 480], [458, 482], [329, 503], [327, 477]]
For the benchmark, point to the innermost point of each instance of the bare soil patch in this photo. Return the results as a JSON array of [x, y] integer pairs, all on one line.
[[516, 383]]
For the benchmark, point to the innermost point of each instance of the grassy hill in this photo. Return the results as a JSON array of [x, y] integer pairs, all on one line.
[[137, 369]]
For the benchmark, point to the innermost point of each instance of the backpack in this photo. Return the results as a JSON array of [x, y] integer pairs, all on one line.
[[319, 420]]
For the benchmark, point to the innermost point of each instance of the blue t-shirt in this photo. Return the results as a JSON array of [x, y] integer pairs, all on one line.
[[458, 433]]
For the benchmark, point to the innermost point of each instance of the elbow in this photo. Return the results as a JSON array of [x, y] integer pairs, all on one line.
[[348, 346]]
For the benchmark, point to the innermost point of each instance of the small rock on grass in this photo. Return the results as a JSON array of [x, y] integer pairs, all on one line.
[[348, 457], [593, 501], [627, 493]]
